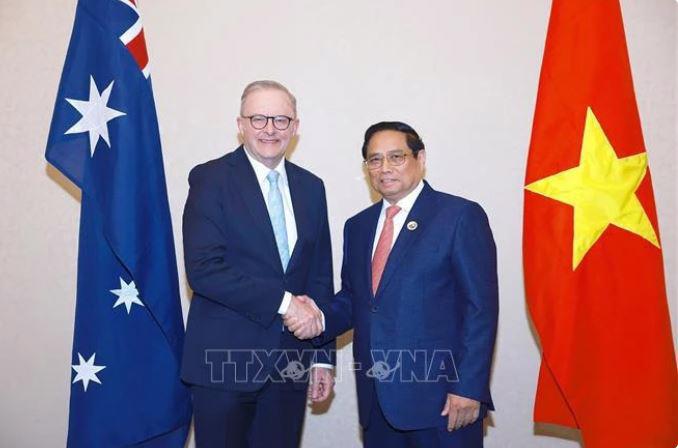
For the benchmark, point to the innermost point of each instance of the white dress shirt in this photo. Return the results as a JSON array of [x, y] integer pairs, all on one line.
[[261, 171], [405, 205]]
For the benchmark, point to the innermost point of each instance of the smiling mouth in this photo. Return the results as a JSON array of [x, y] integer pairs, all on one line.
[[269, 140]]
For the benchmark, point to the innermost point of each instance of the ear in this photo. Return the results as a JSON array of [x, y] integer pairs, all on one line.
[[294, 126], [240, 122], [421, 158]]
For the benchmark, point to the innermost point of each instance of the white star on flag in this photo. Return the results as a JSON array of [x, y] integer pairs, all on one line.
[[95, 115], [127, 294], [87, 371]]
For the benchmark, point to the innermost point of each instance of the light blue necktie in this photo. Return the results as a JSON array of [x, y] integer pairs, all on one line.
[[276, 212]]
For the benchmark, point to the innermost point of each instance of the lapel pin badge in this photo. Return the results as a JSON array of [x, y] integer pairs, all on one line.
[[412, 225]]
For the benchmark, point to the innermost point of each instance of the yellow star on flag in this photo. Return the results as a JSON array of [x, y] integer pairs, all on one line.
[[602, 190]]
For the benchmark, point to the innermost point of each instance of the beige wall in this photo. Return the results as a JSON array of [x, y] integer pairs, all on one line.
[[463, 73]]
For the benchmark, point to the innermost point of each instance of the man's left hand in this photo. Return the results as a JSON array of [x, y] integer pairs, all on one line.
[[460, 411], [321, 385]]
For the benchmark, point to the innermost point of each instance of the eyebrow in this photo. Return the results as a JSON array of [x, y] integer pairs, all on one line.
[[390, 151]]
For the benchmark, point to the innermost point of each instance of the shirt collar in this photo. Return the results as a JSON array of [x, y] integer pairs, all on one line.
[[407, 202], [261, 170]]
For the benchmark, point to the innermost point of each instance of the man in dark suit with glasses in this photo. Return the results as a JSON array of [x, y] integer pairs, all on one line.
[[256, 237], [419, 288]]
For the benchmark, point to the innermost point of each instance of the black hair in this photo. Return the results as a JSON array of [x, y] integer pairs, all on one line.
[[414, 142]]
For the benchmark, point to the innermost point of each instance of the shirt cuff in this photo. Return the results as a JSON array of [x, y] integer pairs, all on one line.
[[323, 365], [322, 315], [287, 299]]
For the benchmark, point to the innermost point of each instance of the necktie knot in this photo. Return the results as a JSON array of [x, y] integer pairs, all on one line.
[[272, 178], [391, 211]]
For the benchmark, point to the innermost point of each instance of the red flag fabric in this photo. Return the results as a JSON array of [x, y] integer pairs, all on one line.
[[592, 254]]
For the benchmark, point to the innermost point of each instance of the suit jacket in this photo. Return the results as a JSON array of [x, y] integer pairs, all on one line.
[[431, 326], [234, 335]]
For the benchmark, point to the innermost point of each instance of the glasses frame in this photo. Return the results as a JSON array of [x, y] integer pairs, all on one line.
[[389, 157], [271, 118]]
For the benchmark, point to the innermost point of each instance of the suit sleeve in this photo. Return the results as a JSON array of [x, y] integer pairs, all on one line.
[[474, 263], [339, 312], [205, 255], [321, 278]]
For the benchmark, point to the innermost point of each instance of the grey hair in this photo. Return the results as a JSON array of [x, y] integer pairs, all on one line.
[[267, 84]]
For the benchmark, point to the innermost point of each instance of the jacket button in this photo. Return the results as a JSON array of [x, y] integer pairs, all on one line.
[[375, 308]]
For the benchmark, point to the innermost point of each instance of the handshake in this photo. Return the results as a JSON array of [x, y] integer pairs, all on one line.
[[303, 318]]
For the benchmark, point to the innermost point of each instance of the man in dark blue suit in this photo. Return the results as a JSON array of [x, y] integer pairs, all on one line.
[[419, 287], [256, 236]]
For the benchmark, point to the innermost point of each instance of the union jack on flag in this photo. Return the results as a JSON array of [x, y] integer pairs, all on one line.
[[128, 332], [134, 40]]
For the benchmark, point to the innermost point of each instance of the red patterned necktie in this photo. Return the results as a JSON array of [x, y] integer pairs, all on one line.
[[383, 247]]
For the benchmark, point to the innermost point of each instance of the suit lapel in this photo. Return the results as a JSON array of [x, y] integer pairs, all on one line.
[[248, 186], [302, 208], [421, 212]]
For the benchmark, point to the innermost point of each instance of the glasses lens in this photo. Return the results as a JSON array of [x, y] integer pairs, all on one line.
[[258, 121], [375, 162], [281, 122], [396, 159]]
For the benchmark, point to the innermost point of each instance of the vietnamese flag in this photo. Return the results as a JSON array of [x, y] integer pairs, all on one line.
[[592, 253]]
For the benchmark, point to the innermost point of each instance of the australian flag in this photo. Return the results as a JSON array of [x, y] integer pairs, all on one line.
[[128, 335]]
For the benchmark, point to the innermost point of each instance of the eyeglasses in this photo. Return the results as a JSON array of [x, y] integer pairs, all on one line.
[[280, 122], [395, 158]]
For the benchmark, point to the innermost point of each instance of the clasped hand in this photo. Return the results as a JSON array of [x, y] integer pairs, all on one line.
[[303, 318]]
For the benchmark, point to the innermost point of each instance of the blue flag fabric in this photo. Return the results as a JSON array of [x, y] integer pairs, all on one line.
[[126, 388]]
